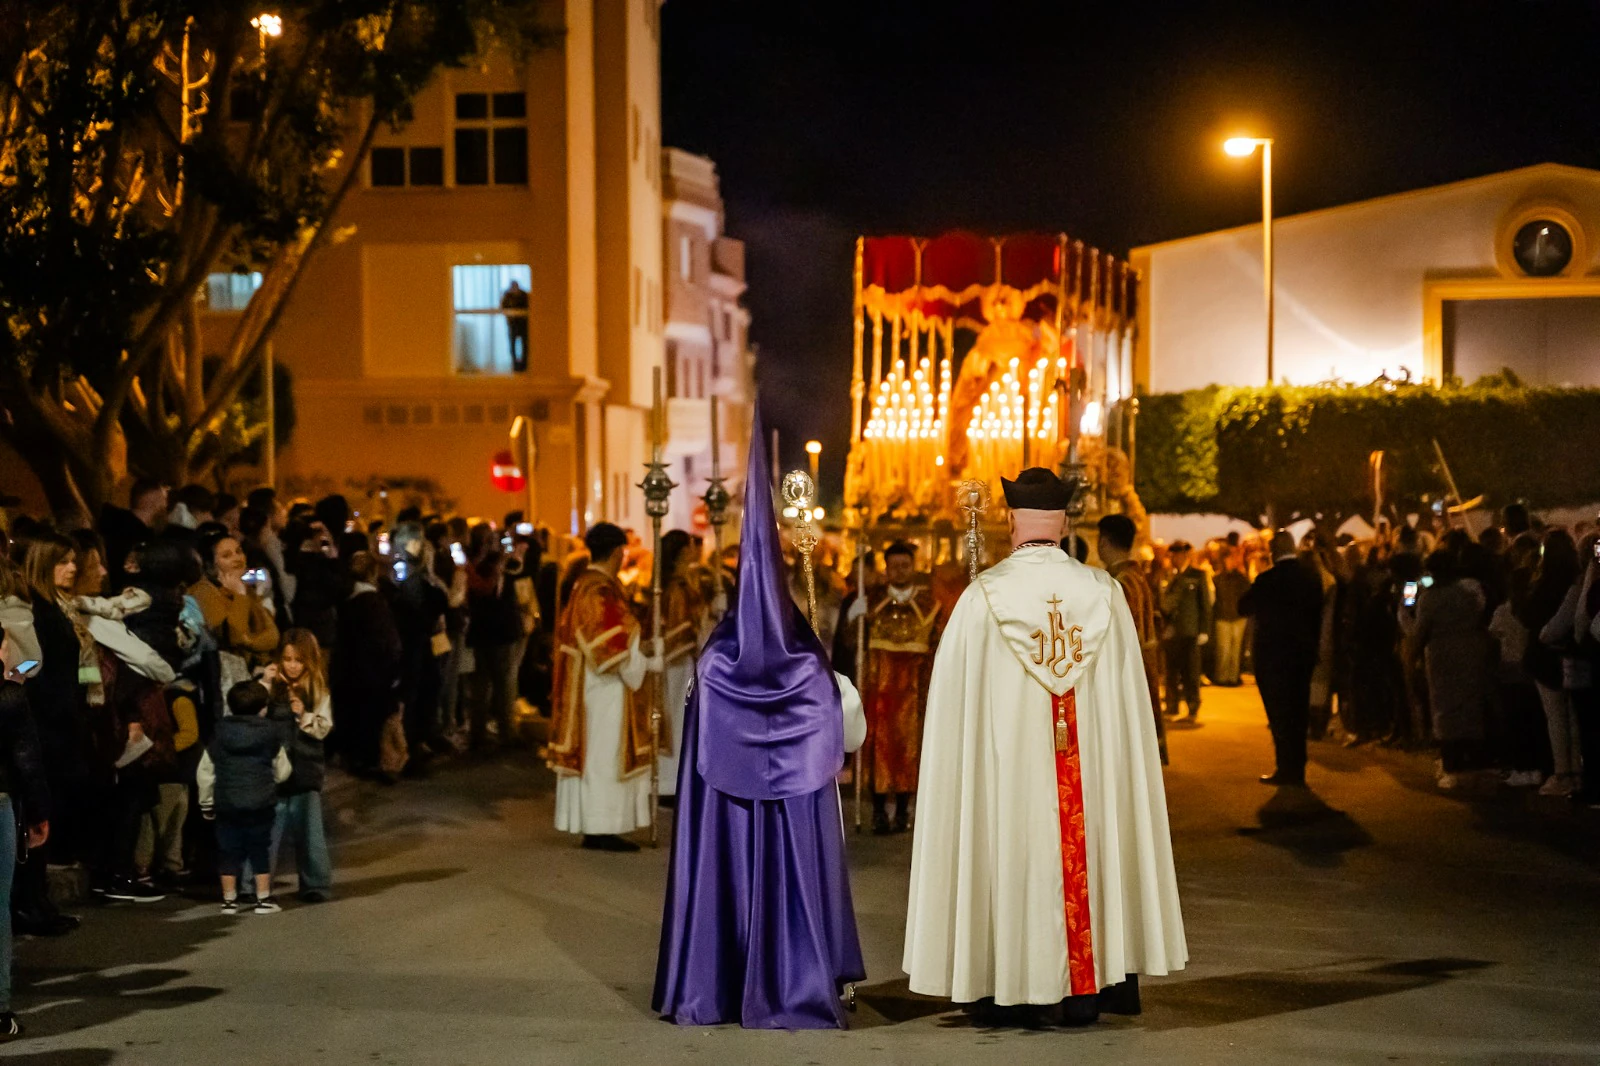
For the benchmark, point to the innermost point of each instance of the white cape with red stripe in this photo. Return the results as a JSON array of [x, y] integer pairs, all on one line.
[[986, 915]]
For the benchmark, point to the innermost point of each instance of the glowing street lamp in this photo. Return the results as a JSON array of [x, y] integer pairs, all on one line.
[[1241, 147], [266, 26], [814, 453]]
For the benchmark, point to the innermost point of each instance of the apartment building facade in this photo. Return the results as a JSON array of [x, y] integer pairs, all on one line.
[[499, 269], [707, 336]]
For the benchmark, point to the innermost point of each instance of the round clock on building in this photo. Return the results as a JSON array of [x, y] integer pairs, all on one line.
[[1542, 248]]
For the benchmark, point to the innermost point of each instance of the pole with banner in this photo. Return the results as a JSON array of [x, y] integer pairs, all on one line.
[[657, 487]]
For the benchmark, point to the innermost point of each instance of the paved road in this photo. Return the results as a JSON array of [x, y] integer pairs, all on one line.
[[1378, 923]]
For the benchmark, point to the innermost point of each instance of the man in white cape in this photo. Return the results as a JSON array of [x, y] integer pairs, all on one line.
[[1041, 868]]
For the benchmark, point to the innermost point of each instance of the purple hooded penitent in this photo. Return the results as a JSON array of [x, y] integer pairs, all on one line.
[[758, 926]]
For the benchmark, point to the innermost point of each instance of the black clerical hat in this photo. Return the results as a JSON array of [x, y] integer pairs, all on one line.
[[1036, 489]]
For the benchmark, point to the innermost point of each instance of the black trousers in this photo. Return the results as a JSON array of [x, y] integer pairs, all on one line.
[[1183, 674], [1286, 695]]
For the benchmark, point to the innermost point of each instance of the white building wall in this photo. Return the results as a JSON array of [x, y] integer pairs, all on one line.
[[1350, 282]]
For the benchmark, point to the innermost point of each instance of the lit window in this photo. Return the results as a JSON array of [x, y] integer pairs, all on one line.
[[491, 139], [231, 291], [685, 263], [491, 318]]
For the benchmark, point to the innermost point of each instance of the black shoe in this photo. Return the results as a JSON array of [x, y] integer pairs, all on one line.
[[901, 824], [1280, 779], [10, 1028], [313, 895], [1080, 1010], [608, 842], [127, 890], [880, 825], [1122, 998], [29, 923]]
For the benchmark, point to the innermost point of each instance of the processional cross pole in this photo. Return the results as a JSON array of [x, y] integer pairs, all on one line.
[[974, 497], [863, 549], [798, 493], [657, 486], [716, 500]]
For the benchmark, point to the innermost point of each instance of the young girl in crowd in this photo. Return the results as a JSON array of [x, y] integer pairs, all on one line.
[[298, 682]]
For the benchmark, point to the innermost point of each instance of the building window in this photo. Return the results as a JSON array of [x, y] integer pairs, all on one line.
[[491, 138], [727, 325], [491, 318], [427, 166], [389, 166], [231, 291], [685, 262]]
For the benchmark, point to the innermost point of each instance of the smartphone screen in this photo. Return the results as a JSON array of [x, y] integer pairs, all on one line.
[[1411, 594], [26, 666], [458, 553], [383, 543], [525, 528]]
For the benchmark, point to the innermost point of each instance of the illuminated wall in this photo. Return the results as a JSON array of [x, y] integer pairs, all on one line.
[[1365, 288]]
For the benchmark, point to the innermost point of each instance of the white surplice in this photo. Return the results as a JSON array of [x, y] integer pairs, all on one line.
[[986, 915], [600, 801]]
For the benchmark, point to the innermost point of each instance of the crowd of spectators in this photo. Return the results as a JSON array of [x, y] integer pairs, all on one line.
[[1483, 644], [178, 678]]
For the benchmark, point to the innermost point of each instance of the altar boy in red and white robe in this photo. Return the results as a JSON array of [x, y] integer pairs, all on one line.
[[1041, 869]]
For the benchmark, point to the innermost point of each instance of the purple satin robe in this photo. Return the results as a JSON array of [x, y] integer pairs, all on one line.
[[758, 927]]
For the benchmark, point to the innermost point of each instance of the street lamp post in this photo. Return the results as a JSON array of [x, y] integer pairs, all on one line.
[[1241, 147], [267, 26]]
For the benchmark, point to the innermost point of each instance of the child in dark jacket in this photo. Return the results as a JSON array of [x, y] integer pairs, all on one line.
[[238, 780]]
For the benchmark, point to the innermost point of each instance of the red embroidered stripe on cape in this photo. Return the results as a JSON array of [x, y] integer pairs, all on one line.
[[1074, 853]]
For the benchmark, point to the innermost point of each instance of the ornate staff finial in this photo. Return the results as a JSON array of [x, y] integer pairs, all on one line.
[[798, 492], [973, 496]]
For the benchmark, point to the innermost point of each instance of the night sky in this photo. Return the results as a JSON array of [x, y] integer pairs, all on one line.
[[1104, 120]]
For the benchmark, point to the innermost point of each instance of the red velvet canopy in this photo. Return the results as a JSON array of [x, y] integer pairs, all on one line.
[[946, 276]]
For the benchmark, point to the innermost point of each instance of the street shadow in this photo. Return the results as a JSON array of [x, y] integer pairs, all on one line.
[[893, 1003], [1302, 823], [1241, 997], [362, 887], [1201, 1003], [118, 964], [77, 1056], [614, 959]]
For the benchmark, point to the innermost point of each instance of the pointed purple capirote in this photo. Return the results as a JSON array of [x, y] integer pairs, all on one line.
[[758, 926]]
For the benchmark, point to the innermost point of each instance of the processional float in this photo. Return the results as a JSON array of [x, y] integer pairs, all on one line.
[[976, 357]]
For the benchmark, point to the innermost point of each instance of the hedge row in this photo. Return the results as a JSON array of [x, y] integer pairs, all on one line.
[[1304, 450]]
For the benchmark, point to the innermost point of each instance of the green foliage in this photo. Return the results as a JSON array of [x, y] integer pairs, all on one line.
[[129, 171], [1305, 450]]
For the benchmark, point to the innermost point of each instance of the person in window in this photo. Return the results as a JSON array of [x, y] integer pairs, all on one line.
[[515, 304]]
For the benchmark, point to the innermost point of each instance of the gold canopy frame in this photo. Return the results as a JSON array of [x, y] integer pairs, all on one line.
[[975, 357]]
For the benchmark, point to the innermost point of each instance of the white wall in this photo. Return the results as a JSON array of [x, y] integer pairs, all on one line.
[[1349, 282]]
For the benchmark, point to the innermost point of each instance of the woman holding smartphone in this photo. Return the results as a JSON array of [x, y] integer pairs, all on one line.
[[23, 792]]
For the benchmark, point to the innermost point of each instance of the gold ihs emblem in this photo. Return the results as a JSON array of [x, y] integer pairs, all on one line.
[[1061, 646]]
